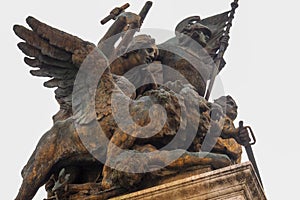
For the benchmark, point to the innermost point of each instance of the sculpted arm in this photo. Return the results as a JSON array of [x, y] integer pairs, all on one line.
[[122, 23]]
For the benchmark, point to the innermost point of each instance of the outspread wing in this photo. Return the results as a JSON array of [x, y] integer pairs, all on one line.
[[54, 54], [216, 24]]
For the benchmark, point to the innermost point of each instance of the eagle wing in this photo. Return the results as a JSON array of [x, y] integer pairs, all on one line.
[[54, 54]]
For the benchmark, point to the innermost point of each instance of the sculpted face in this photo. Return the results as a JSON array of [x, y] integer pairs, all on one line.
[[228, 105], [142, 50], [192, 27], [197, 32], [149, 54], [231, 108]]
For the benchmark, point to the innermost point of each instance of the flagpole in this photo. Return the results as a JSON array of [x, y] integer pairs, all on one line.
[[223, 46]]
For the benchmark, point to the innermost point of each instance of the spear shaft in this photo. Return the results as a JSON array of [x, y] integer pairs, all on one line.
[[223, 47]]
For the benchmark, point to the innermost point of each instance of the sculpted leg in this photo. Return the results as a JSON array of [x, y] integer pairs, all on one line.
[[201, 158], [135, 166], [119, 141], [58, 143]]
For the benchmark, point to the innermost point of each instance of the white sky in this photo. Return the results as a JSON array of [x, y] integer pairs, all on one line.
[[261, 74]]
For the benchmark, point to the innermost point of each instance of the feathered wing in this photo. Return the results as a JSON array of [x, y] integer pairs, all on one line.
[[54, 54], [216, 24]]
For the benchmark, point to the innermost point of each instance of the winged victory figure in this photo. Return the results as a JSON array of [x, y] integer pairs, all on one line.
[[67, 149]]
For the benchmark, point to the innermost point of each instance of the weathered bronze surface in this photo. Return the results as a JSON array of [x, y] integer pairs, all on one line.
[[67, 166]]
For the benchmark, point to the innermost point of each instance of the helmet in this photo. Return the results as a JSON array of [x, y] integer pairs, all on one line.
[[192, 20]]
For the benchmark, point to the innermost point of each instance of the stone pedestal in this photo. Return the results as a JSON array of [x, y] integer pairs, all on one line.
[[237, 182]]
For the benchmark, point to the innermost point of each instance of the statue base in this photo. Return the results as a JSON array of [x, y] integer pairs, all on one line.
[[236, 182]]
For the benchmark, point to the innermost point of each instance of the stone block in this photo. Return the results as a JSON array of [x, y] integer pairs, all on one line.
[[236, 182]]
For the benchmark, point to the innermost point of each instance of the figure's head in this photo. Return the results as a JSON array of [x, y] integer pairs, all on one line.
[[228, 105], [145, 47], [193, 28], [142, 50]]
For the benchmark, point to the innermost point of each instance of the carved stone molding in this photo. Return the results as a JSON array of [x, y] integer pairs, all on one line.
[[237, 182]]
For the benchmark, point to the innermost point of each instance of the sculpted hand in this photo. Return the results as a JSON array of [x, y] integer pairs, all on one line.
[[243, 135], [131, 19]]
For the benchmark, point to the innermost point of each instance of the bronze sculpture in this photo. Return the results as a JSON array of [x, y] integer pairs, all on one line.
[[62, 156]]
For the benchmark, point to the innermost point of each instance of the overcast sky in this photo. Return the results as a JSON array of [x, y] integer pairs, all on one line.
[[261, 74]]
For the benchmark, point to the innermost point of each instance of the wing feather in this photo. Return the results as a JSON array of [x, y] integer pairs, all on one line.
[[50, 71], [34, 40], [54, 54], [32, 62], [59, 83], [31, 51], [56, 37]]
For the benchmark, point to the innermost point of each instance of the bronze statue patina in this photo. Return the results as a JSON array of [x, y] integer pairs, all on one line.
[[68, 158]]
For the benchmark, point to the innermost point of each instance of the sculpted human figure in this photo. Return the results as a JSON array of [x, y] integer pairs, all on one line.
[[225, 151], [193, 50], [88, 78], [60, 55], [142, 47], [227, 142]]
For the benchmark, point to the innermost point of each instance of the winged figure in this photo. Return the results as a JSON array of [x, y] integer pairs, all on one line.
[[60, 56]]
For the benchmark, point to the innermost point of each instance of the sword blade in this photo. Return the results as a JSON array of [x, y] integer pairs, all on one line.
[[251, 158]]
